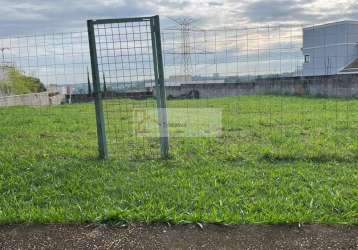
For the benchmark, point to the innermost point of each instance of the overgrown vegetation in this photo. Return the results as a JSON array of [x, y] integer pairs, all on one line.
[[16, 83], [280, 160]]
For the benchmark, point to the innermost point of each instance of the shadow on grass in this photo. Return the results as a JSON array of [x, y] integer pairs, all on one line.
[[320, 158]]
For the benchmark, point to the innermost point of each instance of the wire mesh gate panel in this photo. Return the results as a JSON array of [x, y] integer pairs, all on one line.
[[127, 65]]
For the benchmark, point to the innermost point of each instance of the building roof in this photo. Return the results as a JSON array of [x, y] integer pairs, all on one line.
[[350, 68], [325, 25]]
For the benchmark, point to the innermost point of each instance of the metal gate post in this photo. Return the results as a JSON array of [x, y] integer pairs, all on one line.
[[159, 86], [101, 133]]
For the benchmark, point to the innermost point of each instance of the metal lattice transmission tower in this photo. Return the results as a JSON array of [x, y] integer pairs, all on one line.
[[185, 24]]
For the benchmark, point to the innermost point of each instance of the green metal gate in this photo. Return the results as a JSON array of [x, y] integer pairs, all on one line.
[[127, 68]]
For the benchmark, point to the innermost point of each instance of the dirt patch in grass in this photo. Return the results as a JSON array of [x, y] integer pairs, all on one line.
[[191, 236]]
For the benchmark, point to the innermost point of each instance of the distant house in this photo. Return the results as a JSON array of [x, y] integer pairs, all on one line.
[[330, 49]]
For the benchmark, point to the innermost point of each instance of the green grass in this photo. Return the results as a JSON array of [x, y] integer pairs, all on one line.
[[280, 160]]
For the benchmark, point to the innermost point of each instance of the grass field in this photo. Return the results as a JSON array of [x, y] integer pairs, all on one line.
[[280, 160]]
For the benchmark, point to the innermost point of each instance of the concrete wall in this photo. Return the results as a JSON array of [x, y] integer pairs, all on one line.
[[3, 77], [3, 73], [33, 99], [138, 95], [329, 86]]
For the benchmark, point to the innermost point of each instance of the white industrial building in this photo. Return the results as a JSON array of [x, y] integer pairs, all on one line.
[[330, 49]]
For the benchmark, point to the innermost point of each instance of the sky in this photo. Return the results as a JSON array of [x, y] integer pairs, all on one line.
[[40, 16], [269, 51]]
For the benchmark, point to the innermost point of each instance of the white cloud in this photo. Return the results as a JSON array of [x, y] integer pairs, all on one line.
[[53, 15]]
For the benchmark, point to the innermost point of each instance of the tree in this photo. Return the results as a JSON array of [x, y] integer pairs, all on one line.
[[89, 83], [104, 84]]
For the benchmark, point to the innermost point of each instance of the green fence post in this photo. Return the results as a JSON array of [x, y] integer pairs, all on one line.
[[101, 133], [159, 86]]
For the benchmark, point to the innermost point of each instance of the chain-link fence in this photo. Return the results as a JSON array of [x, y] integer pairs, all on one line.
[[285, 92], [46, 111], [281, 92]]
